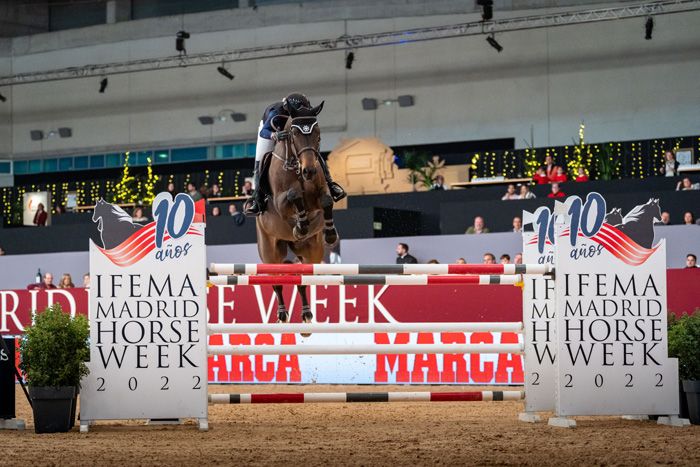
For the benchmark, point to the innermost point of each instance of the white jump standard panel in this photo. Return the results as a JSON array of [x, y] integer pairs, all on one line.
[[359, 328]]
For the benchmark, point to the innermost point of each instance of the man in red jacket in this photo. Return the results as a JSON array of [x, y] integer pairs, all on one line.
[[556, 192]]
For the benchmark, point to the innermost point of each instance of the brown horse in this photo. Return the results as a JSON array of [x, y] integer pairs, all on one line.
[[299, 213]]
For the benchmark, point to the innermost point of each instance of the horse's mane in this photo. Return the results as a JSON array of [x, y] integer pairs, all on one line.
[[636, 213]]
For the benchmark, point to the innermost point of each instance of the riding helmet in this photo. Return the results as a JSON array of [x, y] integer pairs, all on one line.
[[296, 101]]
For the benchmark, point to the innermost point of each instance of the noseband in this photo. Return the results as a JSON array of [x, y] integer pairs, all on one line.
[[292, 159]]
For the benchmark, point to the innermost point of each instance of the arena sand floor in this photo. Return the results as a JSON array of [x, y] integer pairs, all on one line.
[[474, 433]]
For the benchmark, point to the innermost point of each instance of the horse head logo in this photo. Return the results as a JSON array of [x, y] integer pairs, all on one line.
[[638, 224], [114, 224]]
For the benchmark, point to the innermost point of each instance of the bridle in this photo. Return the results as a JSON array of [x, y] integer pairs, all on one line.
[[292, 155]]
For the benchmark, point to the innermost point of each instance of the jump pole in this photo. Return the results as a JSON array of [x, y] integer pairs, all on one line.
[[320, 269], [367, 279], [359, 328], [345, 397]]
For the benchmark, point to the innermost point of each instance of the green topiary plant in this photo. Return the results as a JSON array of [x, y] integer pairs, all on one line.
[[684, 344], [54, 349]]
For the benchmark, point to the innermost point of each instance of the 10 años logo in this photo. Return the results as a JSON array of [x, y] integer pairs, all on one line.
[[173, 219], [586, 218]]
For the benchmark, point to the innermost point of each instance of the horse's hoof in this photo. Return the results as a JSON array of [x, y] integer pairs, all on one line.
[[282, 317], [330, 237], [307, 316], [300, 233]]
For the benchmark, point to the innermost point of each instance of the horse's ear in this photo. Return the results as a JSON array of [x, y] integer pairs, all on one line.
[[317, 110]]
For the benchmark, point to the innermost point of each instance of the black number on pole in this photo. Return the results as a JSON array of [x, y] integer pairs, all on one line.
[[132, 384], [659, 383], [598, 380], [198, 382], [101, 386], [536, 381], [165, 383], [629, 381], [568, 384]]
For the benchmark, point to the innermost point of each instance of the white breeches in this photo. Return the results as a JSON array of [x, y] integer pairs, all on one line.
[[263, 145]]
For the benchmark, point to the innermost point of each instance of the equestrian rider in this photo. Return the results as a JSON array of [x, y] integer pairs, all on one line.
[[268, 136]]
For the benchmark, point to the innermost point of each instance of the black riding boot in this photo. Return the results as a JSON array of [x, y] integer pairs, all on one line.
[[337, 192], [256, 203]]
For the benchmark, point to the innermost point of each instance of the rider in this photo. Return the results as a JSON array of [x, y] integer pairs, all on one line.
[[268, 136]]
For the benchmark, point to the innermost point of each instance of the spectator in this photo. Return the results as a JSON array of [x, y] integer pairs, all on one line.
[[688, 218], [216, 211], [66, 282], [402, 255], [505, 258], [687, 185], [525, 192], [192, 191], [489, 258], [479, 226], [247, 188], [518, 258], [215, 191], [86, 280], [550, 169], [48, 282], [510, 193], [540, 177], [691, 261], [171, 189], [59, 210], [2, 252], [581, 175], [670, 167], [556, 192], [204, 191], [439, 184], [461, 261], [138, 215], [559, 176], [665, 219], [40, 216], [433, 261], [238, 217], [517, 224]]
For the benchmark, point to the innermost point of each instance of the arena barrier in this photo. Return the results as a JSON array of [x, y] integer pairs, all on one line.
[[344, 397], [367, 279]]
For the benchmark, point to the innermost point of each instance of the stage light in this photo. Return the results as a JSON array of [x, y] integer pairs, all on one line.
[[180, 41], [649, 28], [486, 9], [36, 135], [494, 43], [3, 98], [206, 120], [224, 72], [369, 103], [405, 101], [103, 85], [349, 58], [65, 132], [238, 117]]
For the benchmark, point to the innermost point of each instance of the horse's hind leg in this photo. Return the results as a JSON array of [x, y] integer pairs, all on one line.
[[330, 234], [301, 229], [282, 313]]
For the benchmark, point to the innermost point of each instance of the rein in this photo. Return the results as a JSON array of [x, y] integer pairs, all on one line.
[[293, 163]]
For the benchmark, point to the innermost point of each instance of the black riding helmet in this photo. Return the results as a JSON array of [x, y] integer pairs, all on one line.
[[295, 101]]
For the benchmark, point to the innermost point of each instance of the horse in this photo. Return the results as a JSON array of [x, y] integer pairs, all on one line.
[[120, 224], [638, 224], [299, 214]]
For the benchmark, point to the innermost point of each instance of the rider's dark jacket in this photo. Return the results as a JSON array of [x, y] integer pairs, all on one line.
[[271, 111]]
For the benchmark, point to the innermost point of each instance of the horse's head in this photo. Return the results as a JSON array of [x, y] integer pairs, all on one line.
[[305, 138], [653, 208], [100, 210]]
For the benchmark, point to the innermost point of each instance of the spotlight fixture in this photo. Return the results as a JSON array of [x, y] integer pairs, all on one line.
[[405, 101], [224, 72], [3, 98], [180, 41], [486, 9], [238, 117], [36, 135], [103, 85], [649, 28], [494, 43], [206, 120], [65, 132], [349, 58], [369, 103]]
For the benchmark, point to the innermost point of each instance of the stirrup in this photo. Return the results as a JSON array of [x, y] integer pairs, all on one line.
[[252, 208], [337, 192]]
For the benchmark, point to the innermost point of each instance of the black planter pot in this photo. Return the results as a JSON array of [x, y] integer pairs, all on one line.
[[52, 408], [692, 393]]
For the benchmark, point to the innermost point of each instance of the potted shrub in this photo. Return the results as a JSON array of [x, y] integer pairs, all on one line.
[[684, 344], [53, 352]]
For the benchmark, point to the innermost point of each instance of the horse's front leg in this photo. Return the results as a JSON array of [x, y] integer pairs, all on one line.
[[301, 229], [330, 234], [306, 315], [282, 313]]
